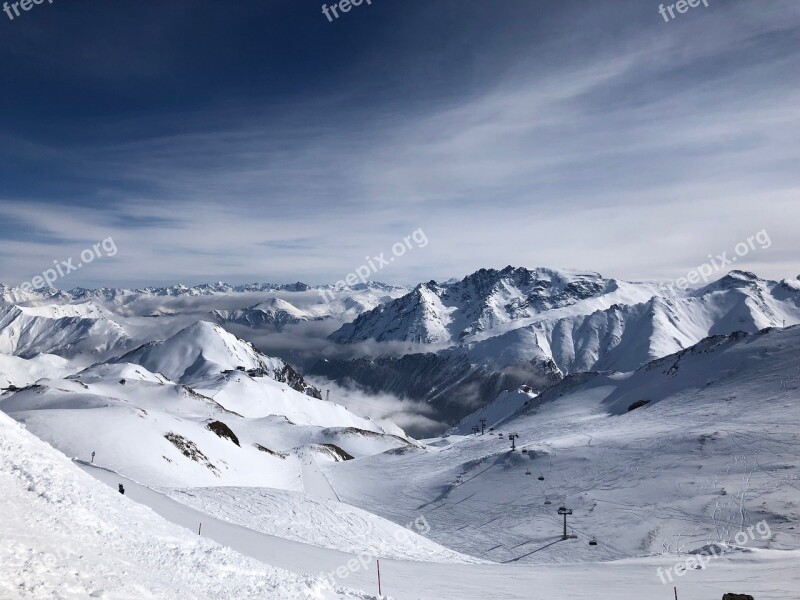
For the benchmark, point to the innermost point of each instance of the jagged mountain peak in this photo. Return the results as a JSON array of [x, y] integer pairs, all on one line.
[[504, 321], [791, 284], [734, 279], [272, 313], [483, 300], [275, 304]]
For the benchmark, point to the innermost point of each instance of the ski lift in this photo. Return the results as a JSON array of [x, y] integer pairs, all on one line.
[[527, 472], [541, 477], [524, 451], [547, 502], [593, 542]]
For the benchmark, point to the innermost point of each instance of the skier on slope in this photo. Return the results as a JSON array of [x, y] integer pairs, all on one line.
[[121, 489]]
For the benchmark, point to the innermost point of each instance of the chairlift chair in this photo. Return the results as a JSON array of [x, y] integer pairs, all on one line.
[[527, 472], [593, 542], [541, 477]]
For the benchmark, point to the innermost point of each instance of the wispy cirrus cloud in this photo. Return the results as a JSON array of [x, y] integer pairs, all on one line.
[[635, 153]]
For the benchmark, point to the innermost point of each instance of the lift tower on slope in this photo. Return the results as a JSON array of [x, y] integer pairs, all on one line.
[[565, 511]]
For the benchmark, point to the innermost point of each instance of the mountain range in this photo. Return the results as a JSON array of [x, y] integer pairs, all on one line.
[[454, 345], [498, 329]]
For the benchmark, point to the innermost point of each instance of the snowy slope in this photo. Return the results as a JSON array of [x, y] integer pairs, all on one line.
[[64, 329], [317, 521], [242, 422], [200, 351], [19, 372], [204, 350], [710, 447], [154, 430], [66, 535], [766, 574], [508, 403]]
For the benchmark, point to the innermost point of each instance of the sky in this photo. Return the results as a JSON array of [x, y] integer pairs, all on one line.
[[259, 141]]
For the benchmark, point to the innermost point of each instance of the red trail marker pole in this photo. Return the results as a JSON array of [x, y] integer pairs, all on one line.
[[379, 576]]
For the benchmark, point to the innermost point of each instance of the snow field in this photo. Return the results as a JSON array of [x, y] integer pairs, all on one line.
[[66, 535]]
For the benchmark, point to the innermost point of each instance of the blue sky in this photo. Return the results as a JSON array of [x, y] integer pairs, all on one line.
[[256, 141]]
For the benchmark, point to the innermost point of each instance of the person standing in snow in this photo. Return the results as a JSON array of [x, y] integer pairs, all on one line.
[[92, 456], [121, 489]]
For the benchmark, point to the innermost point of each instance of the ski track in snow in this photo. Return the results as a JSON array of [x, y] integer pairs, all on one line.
[[67, 536]]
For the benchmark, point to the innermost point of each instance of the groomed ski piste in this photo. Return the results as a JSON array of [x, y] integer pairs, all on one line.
[[691, 453], [66, 535]]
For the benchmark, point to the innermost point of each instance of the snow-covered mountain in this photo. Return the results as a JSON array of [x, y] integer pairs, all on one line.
[[546, 322], [451, 312], [683, 452], [558, 304], [62, 329], [454, 345], [305, 293], [200, 408], [274, 314], [204, 350]]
